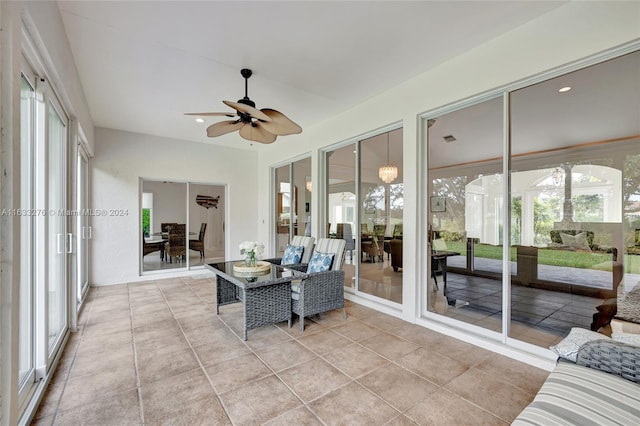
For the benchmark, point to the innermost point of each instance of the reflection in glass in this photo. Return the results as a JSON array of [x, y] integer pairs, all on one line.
[[466, 214], [163, 205], [58, 242], [206, 224], [341, 204], [382, 197]]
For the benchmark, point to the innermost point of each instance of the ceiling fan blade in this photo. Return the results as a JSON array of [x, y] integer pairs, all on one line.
[[247, 109], [223, 127], [211, 114], [280, 124], [254, 132]]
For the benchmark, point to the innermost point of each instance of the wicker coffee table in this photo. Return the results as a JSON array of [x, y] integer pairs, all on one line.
[[266, 295]]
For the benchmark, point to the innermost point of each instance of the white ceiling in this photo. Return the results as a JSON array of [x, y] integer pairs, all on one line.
[[143, 64]]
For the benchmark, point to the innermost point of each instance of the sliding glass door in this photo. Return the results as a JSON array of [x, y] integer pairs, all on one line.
[[365, 200], [293, 187], [533, 201], [59, 241]]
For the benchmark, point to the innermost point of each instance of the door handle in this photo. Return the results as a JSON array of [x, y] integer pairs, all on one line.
[[69, 243], [58, 243]]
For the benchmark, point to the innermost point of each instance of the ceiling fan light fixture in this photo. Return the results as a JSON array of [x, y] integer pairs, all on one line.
[[256, 125]]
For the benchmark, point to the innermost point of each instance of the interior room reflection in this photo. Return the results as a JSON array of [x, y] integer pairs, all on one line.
[[170, 239], [377, 248], [574, 201], [293, 202]]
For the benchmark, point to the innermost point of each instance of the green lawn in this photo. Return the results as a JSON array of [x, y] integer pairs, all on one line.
[[554, 257]]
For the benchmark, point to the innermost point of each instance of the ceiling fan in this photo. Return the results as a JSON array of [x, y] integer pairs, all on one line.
[[256, 125]]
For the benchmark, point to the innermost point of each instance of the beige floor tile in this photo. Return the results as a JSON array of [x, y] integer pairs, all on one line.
[[259, 402], [43, 421], [389, 346], [266, 336], [100, 329], [159, 331], [50, 400], [116, 358], [357, 330], [464, 352], [285, 355], [324, 341], [500, 398], [106, 342], [419, 335], [383, 321], [164, 398], [401, 420], [154, 367], [522, 375], [220, 350], [150, 349], [434, 367], [236, 372], [313, 379], [159, 306], [116, 409], [444, 408], [300, 416], [352, 405], [343, 382], [86, 389], [399, 387], [205, 412], [355, 360], [310, 327], [152, 318]]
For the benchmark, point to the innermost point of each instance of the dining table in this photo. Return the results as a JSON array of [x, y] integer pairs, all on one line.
[[265, 293]]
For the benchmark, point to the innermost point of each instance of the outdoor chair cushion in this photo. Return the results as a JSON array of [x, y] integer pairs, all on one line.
[[320, 262], [292, 255]]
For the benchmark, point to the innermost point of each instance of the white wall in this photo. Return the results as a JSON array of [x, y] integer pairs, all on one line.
[[569, 33], [123, 157]]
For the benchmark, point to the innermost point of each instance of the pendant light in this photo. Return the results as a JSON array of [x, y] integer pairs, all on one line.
[[388, 173]]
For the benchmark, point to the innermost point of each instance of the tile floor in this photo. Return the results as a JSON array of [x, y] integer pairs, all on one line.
[[156, 353]]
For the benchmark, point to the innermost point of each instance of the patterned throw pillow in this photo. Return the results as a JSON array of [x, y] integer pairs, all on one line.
[[320, 262], [569, 346], [292, 254]]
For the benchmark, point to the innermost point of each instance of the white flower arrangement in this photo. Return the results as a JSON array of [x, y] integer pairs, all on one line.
[[252, 247]]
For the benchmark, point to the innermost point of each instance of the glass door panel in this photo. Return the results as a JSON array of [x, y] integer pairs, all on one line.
[[465, 203], [206, 224], [578, 205], [163, 249], [83, 232], [302, 196], [283, 209], [342, 205], [381, 216], [26, 359], [58, 241]]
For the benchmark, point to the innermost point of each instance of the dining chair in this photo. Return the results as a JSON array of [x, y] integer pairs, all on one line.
[[198, 245], [150, 247], [176, 243]]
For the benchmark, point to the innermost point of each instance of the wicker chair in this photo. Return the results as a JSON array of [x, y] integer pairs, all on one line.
[[198, 245], [150, 247], [176, 245], [297, 241], [319, 292], [164, 227]]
